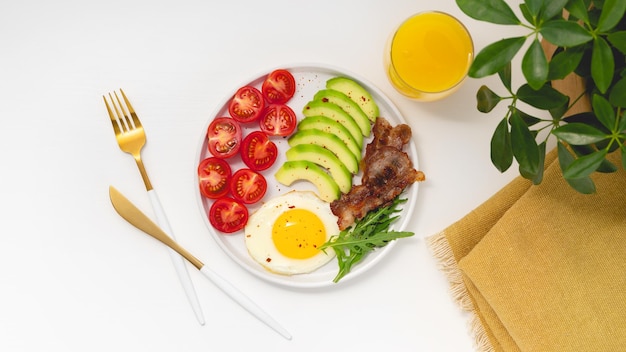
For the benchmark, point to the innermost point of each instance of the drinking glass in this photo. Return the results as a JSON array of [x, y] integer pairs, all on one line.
[[428, 56]]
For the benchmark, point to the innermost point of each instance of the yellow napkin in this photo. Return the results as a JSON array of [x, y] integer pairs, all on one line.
[[543, 268]]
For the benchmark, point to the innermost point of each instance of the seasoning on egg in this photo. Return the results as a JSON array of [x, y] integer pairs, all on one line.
[[288, 231]]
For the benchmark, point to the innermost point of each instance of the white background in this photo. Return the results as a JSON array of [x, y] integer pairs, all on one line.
[[74, 276]]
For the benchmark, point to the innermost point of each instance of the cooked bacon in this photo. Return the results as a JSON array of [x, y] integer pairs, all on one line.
[[387, 171], [387, 135]]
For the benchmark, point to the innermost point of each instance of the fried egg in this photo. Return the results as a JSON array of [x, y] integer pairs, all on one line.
[[285, 233]]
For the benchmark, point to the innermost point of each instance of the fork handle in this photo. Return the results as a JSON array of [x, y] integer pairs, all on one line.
[[244, 301], [177, 259]]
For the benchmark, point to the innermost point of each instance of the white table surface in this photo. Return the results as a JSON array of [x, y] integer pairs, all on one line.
[[76, 277]]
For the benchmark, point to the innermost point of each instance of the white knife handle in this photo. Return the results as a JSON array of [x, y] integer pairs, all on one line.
[[177, 260], [244, 301]]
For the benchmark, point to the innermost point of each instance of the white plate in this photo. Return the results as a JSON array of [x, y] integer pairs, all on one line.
[[309, 80]]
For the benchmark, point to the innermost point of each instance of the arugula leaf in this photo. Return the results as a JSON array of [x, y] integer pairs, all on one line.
[[371, 232]]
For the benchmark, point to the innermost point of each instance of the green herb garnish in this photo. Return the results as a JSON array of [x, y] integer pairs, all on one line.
[[371, 232]]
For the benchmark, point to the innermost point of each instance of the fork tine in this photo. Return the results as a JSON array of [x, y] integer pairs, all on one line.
[[136, 121], [121, 112], [114, 121]]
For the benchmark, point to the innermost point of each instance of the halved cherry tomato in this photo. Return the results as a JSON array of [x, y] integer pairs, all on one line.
[[224, 136], [214, 176], [279, 86], [247, 104], [228, 215], [248, 186], [257, 151], [278, 120]]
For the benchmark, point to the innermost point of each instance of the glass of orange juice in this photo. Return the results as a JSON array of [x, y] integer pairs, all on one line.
[[428, 56]]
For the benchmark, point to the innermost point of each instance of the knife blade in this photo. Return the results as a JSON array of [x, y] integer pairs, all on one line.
[[127, 210]]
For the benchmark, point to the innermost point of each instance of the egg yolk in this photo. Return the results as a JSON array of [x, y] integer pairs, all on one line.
[[298, 234]]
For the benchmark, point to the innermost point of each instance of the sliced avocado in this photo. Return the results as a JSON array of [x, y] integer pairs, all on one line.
[[315, 108], [357, 93], [331, 126], [328, 141], [324, 158], [348, 105], [292, 171]]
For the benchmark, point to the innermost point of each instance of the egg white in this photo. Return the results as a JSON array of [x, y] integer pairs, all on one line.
[[258, 233]]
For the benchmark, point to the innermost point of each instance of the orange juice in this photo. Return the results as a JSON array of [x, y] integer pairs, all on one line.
[[428, 56]]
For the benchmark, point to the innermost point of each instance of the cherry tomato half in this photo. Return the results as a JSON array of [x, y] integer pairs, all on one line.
[[214, 176], [228, 215], [224, 136], [257, 151], [279, 86], [278, 120], [247, 104], [248, 186]]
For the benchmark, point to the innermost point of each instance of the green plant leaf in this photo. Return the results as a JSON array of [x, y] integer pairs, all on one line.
[[577, 133], [529, 120], [612, 13], [578, 9], [622, 124], [558, 112], [587, 117], [486, 99], [605, 167], [535, 65], [623, 151], [565, 33], [501, 152], [544, 98], [542, 159], [505, 76], [525, 148], [584, 68], [553, 8], [618, 40], [602, 64], [494, 57], [585, 165], [617, 97], [527, 15], [493, 11], [564, 63], [583, 185], [534, 6], [604, 111]]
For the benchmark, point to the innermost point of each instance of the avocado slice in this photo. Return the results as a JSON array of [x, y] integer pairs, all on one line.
[[357, 93], [348, 105], [324, 158], [328, 141], [326, 124], [315, 108], [292, 171]]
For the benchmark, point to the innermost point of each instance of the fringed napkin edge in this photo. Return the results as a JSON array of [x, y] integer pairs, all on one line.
[[442, 252]]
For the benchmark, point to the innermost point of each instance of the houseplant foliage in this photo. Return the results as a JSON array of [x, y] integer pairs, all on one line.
[[590, 40]]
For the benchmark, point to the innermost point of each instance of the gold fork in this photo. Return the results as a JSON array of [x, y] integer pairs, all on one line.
[[131, 138]]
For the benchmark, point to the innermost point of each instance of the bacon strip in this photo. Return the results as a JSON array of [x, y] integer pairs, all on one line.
[[387, 171]]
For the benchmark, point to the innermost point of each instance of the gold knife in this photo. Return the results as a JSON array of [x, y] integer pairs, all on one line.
[[133, 215]]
